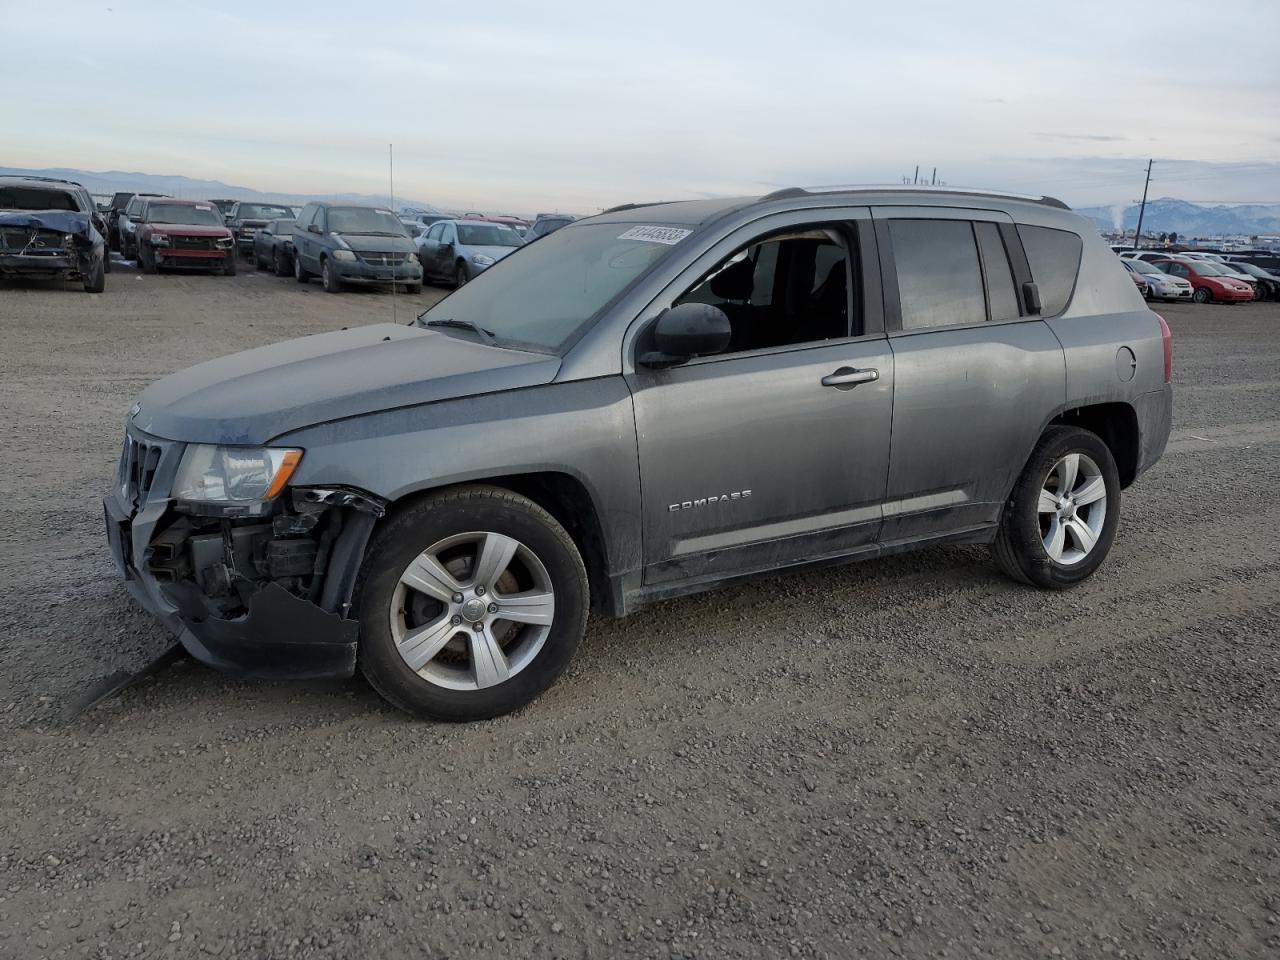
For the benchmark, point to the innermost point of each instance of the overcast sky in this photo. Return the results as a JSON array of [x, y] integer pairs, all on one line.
[[574, 106]]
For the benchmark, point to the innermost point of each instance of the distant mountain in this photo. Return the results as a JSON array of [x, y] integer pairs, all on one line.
[[1190, 219], [109, 181]]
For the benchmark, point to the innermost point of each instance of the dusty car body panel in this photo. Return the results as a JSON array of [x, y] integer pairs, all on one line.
[[347, 373]]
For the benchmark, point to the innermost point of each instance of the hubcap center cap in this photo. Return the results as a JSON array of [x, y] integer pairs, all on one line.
[[473, 610]]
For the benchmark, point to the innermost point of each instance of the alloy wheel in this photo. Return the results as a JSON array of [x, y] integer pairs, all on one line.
[[1072, 508], [472, 610]]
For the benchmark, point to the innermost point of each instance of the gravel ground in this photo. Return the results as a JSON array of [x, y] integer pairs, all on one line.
[[912, 757]]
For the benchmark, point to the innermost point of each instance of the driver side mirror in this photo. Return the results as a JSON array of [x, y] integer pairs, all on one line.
[[685, 331], [313, 228]]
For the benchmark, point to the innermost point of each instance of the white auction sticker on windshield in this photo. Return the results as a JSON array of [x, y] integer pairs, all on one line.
[[667, 235], [201, 206]]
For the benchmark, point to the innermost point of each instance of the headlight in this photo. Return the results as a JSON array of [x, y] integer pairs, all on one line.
[[159, 240], [214, 474], [224, 243], [412, 258], [480, 260], [343, 255]]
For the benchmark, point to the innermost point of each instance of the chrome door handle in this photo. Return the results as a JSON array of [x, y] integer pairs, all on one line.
[[849, 377]]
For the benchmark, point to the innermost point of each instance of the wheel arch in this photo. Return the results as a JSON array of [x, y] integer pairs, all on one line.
[[1116, 423], [568, 500]]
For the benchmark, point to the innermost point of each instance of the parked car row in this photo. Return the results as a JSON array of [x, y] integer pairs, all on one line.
[[1203, 276], [341, 244]]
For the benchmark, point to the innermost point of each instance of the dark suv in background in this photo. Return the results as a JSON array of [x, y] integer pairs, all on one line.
[[344, 244], [645, 403], [247, 217]]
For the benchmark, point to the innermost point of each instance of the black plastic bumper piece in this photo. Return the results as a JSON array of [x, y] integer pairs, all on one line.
[[280, 637]]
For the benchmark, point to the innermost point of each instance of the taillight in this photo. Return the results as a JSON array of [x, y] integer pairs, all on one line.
[[1166, 338]]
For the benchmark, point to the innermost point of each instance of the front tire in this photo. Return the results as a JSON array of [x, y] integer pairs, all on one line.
[[1061, 519], [299, 273], [96, 282], [279, 266], [460, 275], [147, 264], [230, 267], [328, 279], [471, 603], [1202, 295]]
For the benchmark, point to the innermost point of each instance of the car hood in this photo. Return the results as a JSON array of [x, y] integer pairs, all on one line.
[[254, 396], [361, 242], [188, 229], [496, 252]]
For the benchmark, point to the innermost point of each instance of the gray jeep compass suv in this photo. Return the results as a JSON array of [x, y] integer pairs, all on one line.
[[642, 404]]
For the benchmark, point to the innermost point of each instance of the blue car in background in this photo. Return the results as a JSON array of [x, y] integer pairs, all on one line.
[[457, 250]]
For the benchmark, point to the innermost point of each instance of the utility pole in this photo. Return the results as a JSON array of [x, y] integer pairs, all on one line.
[[1137, 234], [916, 179]]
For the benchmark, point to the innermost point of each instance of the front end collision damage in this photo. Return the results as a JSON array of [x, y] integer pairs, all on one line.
[[49, 243], [265, 596]]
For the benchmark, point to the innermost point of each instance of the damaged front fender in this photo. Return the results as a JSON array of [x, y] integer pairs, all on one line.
[[262, 596]]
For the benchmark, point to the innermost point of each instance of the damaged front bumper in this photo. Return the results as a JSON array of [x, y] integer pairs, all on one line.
[[52, 244], [267, 595]]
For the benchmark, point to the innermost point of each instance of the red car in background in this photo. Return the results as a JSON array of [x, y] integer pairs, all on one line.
[[1209, 283], [184, 233]]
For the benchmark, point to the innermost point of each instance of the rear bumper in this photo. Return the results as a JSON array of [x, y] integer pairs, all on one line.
[[281, 636], [1155, 420]]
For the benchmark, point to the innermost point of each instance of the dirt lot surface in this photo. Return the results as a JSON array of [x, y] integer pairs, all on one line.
[[913, 757]]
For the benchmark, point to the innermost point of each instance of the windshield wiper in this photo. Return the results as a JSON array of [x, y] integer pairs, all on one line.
[[485, 335]]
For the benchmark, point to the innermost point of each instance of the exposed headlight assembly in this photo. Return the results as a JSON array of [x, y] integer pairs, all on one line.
[[480, 260], [217, 474], [224, 243], [158, 240]]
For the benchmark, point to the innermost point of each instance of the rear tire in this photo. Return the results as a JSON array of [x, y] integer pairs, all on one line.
[[280, 267], [1055, 507], [469, 674]]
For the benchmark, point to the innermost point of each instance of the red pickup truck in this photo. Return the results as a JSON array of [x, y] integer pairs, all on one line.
[[184, 233]]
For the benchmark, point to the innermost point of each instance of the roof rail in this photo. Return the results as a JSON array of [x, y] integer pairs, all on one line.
[[790, 192], [32, 176], [635, 206]]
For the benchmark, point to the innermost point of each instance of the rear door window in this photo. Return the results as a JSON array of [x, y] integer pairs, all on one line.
[[995, 264], [1054, 257], [939, 278]]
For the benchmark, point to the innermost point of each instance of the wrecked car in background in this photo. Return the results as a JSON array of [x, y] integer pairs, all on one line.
[[184, 233], [47, 232]]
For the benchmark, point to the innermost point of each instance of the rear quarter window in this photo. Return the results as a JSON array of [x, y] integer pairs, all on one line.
[[1054, 257]]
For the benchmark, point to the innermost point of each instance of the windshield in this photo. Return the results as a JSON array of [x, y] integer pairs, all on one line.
[[369, 220], [544, 292], [487, 235], [1248, 268], [36, 198], [263, 211], [1206, 269], [202, 214]]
